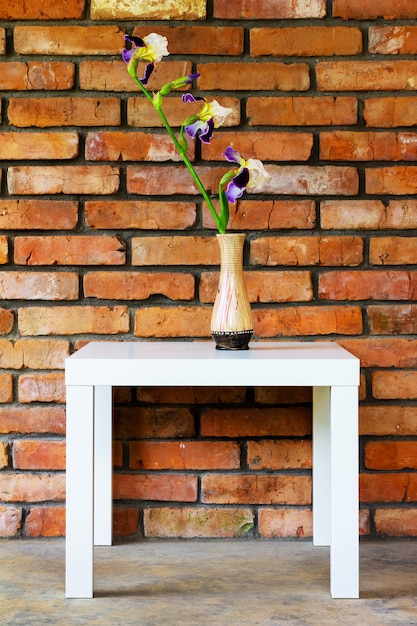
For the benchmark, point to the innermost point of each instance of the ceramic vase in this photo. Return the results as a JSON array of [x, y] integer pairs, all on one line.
[[231, 322]]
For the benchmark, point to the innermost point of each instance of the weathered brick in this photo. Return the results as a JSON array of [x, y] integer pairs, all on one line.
[[391, 455], [42, 10], [64, 111], [139, 214], [4, 249], [302, 111], [6, 320], [311, 180], [175, 250], [366, 75], [38, 286], [305, 41], [184, 455], [393, 319], [383, 351], [307, 320], [272, 251], [138, 285], [237, 76], [41, 388], [33, 353], [73, 320], [393, 251], [267, 215], [368, 285], [75, 179], [280, 454], [391, 111], [283, 395], [387, 385], [358, 146], [2, 41], [259, 488], [125, 521], [399, 180], [393, 39], [163, 487], [4, 457], [190, 522], [45, 522], [368, 214], [22, 487], [257, 9], [285, 523], [190, 395], [35, 146], [134, 146], [396, 522], [134, 9], [113, 76], [146, 180], [10, 521], [204, 39], [173, 321], [37, 454], [384, 487], [254, 422], [371, 10], [36, 75], [38, 214], [32, 419], [6, 388], [153, 423], [280, 146], [264, 286], [71, 40], [388, 420], [69, 250]]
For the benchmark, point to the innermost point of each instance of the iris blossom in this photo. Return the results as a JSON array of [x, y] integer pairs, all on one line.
[[250, 174], [151, 49], [211, 116]]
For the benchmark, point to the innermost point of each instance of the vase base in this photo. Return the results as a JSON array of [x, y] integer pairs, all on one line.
[[233, 340]]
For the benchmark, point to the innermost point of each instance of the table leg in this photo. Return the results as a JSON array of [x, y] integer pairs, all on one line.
[[344, 551], [103, 466], [322, 528], [79, 492]]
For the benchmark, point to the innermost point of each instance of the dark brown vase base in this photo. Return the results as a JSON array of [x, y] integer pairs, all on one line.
[[237, 340]]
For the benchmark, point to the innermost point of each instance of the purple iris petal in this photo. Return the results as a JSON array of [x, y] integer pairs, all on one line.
[[188, 97], [146, 75], [232, 155], [137, 41], [237, 185], [200, 129]]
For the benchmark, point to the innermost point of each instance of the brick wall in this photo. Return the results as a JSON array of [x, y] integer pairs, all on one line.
[[103, 236]]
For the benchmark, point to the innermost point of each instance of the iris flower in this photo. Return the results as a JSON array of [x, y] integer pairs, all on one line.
[[151, 49], [250, 174], [211, 116]]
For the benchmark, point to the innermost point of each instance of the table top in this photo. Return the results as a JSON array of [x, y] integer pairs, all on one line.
[[198, 363]]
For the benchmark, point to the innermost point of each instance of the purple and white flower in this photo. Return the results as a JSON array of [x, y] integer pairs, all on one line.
[[151, 49], [211, 116], [250, 174]]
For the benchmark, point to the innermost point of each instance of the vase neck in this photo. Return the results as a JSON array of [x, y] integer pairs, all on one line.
[[231, 251]]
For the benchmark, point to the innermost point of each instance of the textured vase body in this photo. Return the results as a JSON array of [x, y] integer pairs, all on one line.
[[231, 322]]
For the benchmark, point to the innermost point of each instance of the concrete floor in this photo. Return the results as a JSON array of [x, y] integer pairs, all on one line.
[[207, 583]]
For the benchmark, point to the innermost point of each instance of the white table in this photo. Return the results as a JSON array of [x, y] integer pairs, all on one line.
[[333, 373]]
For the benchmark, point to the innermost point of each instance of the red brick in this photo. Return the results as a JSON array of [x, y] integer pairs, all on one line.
[[41, 388], [388, 420], [2, 41], [280, 146], [267, 215], [139, 214], [390, 112], [285, 523], [255, 488], [173, 321], [163, 487], [184, 455], [4, 457], [64, 111], [393, 39], [73, 320], [138, 285], [71, 40], [358, 146], [393, 251], [146, 180], [4, 249], [254, 422], [37, 454], [190, 395], [6, 320], [69, 250], [10, 521], [383, 351], [45, 522], [396, 522], [113, 76], [307, 180], [38, 214], [38, 286], [42, 10], [365, 75], [264, 286], [237, 76], [6, 388], [307, 41], [132, 9], [393, 319], [190, 522], [272, 251], [22, 487], [308, 321], [75, 179], [371, 9], [391, 455], [33, 146], [125, 521], [400, 180], [302, 111], [383, 487], [33, 353], [213, 40], [36, 419], [283, 395], [387, 385], [368, 285], [281, 454], [134, 146], [257, 9], [368, 214], [36, 75], [153, 423], [175, 250]]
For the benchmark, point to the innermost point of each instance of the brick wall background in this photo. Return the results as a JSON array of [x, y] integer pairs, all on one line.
[[103, 236]]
